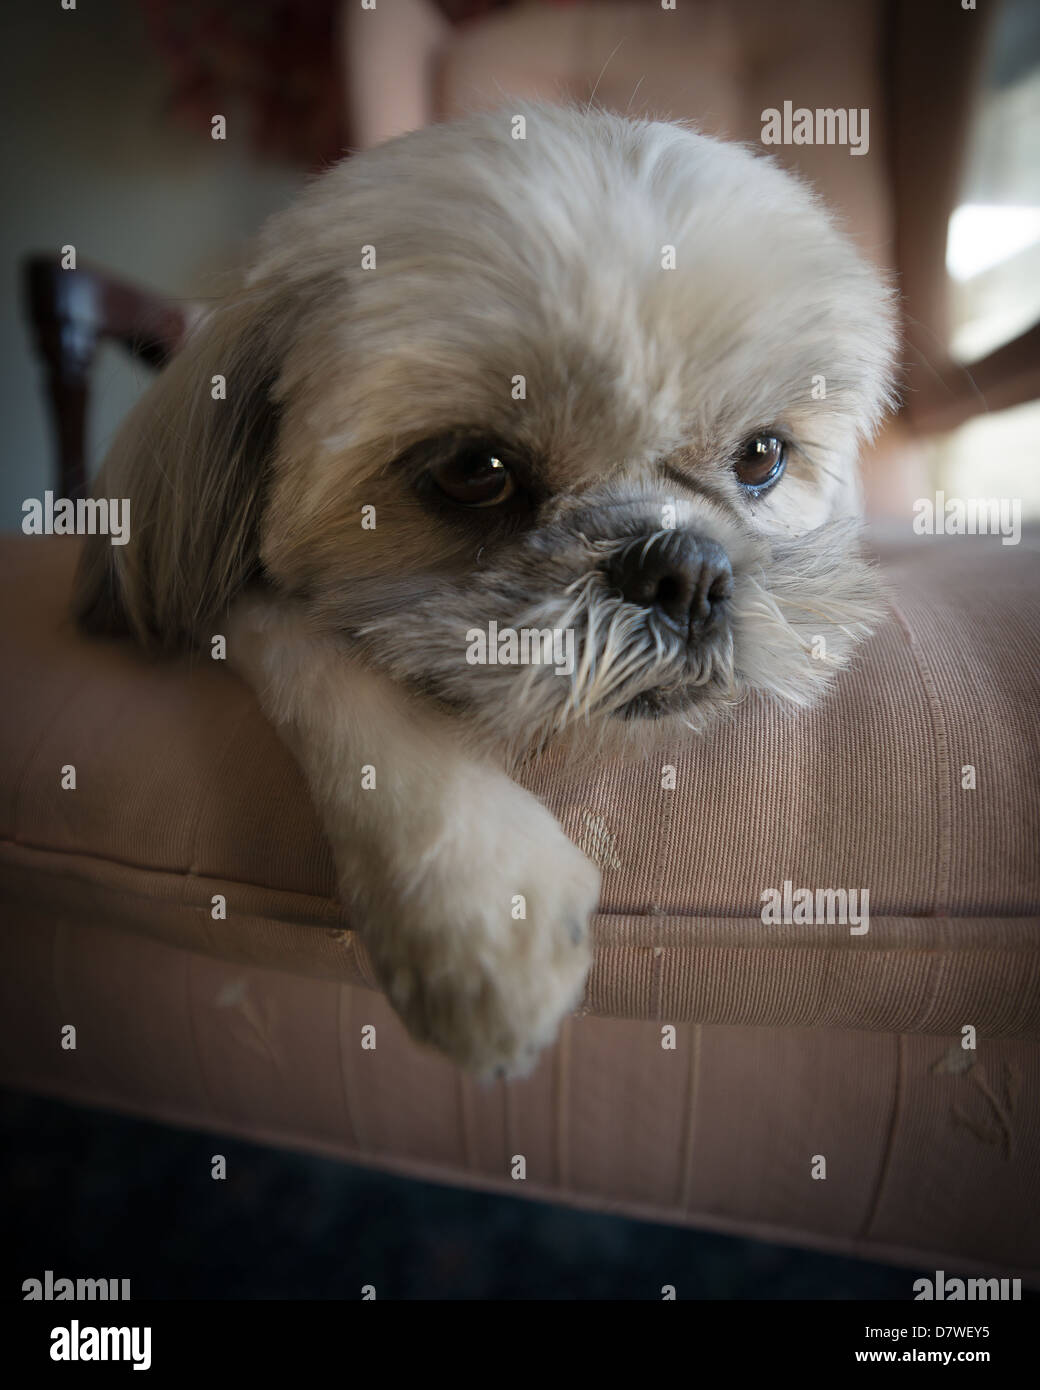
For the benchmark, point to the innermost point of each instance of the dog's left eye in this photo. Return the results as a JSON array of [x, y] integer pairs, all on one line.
[[761, 462], [475, 477]]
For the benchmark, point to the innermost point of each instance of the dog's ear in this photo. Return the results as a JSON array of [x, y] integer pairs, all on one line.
[[192, 460]]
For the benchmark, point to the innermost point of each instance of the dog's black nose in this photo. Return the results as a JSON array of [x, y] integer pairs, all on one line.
[[684, 577]]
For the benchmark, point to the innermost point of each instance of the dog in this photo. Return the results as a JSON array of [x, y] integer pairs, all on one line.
[[549, 371]]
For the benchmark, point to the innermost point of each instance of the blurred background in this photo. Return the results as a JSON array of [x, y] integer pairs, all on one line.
[[109, 110], [114, 102]]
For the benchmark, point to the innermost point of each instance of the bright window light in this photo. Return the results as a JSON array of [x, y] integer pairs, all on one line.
[[981, 236]]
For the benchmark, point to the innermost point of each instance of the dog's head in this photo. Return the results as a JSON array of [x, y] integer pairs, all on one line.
[[608, 379]]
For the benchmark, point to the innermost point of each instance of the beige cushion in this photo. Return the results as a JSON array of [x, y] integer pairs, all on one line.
[[183, 792]]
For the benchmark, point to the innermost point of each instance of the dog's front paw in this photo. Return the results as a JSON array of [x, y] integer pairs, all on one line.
[[484, 947]]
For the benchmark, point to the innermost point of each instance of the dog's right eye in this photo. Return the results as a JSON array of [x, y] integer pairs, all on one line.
[[476, 476], [761, 463]]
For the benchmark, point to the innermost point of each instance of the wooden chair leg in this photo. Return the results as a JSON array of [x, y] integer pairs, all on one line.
[[71, 311], [63, 313]]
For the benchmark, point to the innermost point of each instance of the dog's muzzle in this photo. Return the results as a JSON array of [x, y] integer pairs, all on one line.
[[683, 579]]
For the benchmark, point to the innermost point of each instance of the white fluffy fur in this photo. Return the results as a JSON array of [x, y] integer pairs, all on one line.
[[433, 857]]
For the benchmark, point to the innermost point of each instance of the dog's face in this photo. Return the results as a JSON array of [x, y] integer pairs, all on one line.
[[609, 379]]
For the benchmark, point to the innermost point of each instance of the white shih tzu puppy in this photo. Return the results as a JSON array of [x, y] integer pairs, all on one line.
[[594, 382]]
